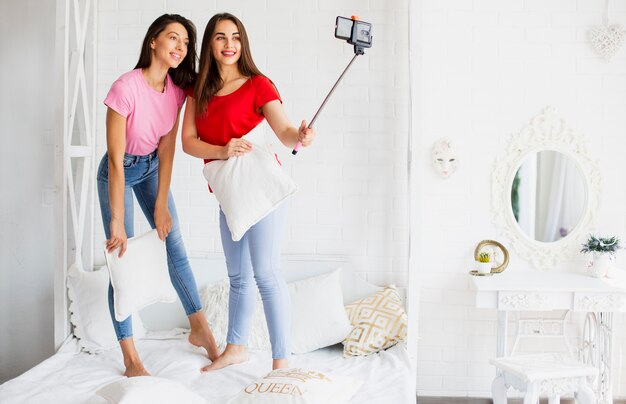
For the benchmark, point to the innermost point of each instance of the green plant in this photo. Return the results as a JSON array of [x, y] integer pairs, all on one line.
[[601, 245], [484, 257], [515, 195]]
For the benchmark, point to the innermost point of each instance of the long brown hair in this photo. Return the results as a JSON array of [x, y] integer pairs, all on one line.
[[185, 74], [209, 81]]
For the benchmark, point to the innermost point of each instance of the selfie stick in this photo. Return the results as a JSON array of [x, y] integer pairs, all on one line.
[[298, 145]]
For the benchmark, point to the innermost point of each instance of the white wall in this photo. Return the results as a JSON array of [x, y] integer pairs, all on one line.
[[27, 230], [487, 68], [352, 196]]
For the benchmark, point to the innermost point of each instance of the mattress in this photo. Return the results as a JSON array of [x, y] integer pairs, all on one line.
[[71, 376]]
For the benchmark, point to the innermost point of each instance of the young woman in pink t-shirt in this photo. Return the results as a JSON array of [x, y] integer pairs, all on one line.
[[142, 121], [230, 98]]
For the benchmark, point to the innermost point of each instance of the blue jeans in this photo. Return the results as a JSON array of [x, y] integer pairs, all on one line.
[[257, 255], [141, 175]]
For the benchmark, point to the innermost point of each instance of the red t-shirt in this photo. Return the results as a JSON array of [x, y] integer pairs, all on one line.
[[235, 115]]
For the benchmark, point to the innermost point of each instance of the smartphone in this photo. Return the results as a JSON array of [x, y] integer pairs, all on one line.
[[355, 32], [343, 28]]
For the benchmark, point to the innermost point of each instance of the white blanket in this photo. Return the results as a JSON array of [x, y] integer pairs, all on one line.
[[73, 377]]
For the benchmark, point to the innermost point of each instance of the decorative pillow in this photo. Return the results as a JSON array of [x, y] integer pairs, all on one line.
[[248, 187], [89, 310], [318, 317], [148, 389], [378, 322], [140, 278], [215, 301], [297, 386]]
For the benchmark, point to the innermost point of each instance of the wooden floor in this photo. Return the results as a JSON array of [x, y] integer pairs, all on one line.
[[466, 400]]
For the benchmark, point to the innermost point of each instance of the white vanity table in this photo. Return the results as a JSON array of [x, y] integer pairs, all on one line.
[[545, 194], [532, 290]]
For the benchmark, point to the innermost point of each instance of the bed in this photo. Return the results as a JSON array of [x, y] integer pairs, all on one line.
[[73, 376]]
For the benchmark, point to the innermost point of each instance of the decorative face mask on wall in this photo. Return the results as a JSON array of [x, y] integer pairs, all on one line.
[[444, 157]]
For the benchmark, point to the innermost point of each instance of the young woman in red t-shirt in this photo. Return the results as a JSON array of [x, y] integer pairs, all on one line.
[[230, 98]]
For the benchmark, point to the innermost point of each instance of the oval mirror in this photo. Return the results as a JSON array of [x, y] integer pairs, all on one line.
[[548, 196], [545, 191]]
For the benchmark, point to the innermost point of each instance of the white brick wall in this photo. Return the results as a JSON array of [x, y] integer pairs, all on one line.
[[487, 67], [352, 182]]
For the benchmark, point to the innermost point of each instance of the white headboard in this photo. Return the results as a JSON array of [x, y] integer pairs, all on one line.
[[165, 316]]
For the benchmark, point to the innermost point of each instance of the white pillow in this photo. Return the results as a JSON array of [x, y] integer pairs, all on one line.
[[148, 389], [140, 278], [215, 301], [297, 386], [248, 187], [318, 316], [89, 310]]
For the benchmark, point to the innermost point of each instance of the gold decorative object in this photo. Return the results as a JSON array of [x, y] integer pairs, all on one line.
[[476, 273], [493, 246]]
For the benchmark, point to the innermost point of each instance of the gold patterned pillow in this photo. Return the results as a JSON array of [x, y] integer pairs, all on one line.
[[378, 322]]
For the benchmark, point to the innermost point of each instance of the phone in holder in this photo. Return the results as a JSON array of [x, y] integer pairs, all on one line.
[[354, 31]]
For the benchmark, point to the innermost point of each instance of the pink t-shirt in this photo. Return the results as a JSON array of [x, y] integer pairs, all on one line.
[[149, 113]]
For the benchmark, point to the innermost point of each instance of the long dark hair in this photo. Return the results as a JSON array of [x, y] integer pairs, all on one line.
[[185, 74], [209, 81]]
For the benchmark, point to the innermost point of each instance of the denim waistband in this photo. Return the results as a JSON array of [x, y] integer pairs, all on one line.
[[136, 159]]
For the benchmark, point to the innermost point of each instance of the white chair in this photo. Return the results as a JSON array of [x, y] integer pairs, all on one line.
[[545, 374]]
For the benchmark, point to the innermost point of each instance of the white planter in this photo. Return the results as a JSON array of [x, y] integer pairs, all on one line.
[[600, 265], [483, 267]]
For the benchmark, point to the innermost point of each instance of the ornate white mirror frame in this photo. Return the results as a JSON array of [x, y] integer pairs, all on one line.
[[546, 131]]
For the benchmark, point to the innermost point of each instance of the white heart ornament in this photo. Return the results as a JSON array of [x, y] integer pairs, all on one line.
[[606, 40]]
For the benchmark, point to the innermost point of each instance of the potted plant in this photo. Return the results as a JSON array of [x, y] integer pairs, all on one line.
[[483, 265], [603, 251]]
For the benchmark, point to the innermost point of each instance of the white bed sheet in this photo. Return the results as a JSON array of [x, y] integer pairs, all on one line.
[[73, 377]]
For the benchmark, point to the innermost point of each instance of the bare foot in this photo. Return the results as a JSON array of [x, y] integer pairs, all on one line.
[[205, 339], [133, 364], [232, 355], [201, 334], [135, 369], [280, 364]]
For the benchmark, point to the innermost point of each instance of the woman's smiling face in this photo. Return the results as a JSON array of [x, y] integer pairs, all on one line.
[[170, 46], [225, 43]]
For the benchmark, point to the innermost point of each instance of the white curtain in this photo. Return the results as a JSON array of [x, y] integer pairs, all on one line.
[[560, 196]]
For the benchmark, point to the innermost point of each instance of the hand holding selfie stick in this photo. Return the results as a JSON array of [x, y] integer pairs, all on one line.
[[298, 145], [355, 32]]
